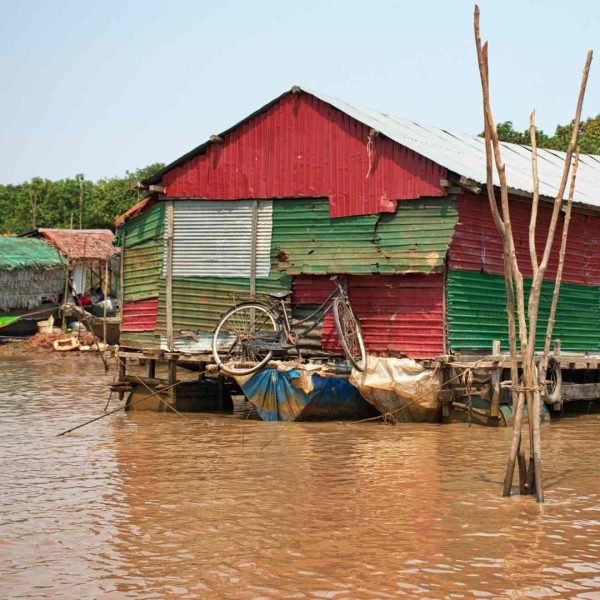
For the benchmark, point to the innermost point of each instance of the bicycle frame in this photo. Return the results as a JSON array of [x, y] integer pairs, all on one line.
[[325, 307]]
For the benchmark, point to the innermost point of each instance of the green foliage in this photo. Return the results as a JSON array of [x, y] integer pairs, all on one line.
[[589, 136], [45, 203]]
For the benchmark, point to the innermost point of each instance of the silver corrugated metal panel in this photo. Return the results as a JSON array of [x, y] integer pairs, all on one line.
[[214, 238], [465, 154]]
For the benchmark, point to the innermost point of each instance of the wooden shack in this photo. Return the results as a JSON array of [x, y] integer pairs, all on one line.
[[311, 186]]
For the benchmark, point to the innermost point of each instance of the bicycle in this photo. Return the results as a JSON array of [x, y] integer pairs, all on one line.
[[250, 333]]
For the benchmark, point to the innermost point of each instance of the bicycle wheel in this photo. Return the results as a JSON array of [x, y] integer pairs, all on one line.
[[236, 343], [349, 333]]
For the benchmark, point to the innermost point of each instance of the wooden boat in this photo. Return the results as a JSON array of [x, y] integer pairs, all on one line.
[[23, 322], [96, 324]]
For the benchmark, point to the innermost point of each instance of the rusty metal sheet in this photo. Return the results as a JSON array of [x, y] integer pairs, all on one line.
[[140, 315], [401, 315], [214, 239], [142, 270], [477, 313], [413, 239], [302, 146], [477, 245]]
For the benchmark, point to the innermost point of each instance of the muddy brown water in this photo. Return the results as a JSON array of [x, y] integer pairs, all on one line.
[[144, 506]]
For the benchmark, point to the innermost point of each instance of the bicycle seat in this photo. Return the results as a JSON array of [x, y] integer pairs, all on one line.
[[280, 295]]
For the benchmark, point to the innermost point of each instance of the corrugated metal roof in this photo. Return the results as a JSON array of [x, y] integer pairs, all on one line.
[[302, 147], [77, 244], [477, 313], [142, 269], [28, 253], [460, 153], [214, 239], [413, 239], [465, 154], [148, 225]]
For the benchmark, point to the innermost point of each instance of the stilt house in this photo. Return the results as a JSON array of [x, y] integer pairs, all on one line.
[[323, 187]]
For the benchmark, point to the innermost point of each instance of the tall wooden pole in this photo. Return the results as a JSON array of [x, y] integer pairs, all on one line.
[[105, 293], [529, 389], [169, 274]]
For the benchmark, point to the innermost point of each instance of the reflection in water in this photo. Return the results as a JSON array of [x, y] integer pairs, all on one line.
[[143, 505]]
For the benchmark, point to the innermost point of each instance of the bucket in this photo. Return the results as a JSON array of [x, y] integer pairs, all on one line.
[[46, 326]]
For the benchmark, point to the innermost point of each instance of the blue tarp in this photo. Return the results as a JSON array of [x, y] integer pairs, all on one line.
[[277, 399]]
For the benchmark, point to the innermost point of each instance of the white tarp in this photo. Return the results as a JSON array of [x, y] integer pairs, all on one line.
[[400, 386]]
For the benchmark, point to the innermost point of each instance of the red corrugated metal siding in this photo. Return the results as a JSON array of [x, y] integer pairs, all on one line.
[[477, 246], [400, 314], [140, 315], [302, 147]]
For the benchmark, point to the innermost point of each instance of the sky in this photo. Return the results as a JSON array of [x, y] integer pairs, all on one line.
[[102, 87]]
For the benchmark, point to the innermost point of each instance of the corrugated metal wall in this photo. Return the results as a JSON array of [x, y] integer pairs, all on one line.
[[143, 267], [140, 315], [141, 340], [413, 239], [198, 303], [399, 314], [214, 239], [148, 225], [477, 313], [477, 246], [302, 147]]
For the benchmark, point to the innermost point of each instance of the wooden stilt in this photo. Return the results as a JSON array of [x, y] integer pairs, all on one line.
[[496, 379], [172, 378], [122, 373]]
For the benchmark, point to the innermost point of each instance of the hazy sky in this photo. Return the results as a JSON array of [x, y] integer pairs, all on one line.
[[99, 87]]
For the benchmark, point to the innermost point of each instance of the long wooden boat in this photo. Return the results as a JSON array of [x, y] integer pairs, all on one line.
[[23, 322], [96, 324]]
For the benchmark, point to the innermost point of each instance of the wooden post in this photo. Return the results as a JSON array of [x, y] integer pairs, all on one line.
[[169, 275], [64, 304], [556, 355], [122, 273], [152, 368], [220, 393], [172, 378], [496, 378], [105, 292], [122, 374], [253, 247]]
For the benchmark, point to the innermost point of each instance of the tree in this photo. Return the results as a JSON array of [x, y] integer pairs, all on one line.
[[589, 136], [65, 202]]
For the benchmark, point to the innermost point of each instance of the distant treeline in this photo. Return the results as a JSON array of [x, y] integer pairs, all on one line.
[[62, 203], [44, 203], [589, 136]]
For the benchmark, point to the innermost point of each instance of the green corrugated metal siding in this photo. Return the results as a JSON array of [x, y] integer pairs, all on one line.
[[146, 340], [416, 237], [143, 268], [27, 253], [413, 239], [477, 313], [148, 225], [199, 302]]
